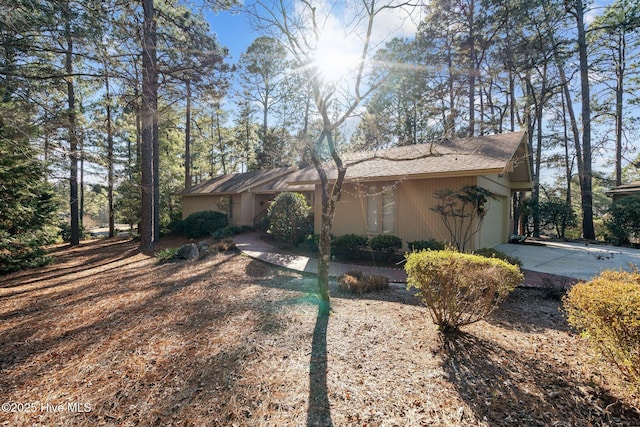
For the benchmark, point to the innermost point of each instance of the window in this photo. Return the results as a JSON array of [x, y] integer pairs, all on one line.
[[381, 210], [372, 211]]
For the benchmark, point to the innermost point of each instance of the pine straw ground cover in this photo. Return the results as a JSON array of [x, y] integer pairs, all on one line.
[[231, 341]]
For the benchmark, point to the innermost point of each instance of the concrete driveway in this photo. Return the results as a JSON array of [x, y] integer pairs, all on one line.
[[578, 260]]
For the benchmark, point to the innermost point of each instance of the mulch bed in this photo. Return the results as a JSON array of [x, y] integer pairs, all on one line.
[[228, 340]]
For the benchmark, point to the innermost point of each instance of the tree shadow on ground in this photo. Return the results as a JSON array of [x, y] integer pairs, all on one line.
[[504, 387], [531, 310], [273, 276], [319, 411]]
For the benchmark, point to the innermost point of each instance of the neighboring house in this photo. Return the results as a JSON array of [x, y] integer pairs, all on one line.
[[631, 189], [392, 191], [387, 191], [244, 197]]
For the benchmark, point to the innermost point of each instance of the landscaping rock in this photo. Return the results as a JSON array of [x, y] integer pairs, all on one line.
[[189, 251], [202, 244], [205, 252]]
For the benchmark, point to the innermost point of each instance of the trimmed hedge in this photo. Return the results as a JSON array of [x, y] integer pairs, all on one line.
[[385, 243], [421, 245], [606, 311], [348, 246], [494, 253], [204, 223], [228, 231], [460, 288]]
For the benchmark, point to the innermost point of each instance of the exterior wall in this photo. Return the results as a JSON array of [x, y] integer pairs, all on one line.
[[192, 204], [497, 223], [414, 219], [260, 205], [245, 208]]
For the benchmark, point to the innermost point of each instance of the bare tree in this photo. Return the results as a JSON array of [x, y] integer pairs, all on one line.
[[304, 28]]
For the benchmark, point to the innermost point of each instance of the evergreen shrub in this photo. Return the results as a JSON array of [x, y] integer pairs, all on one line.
[[421, 245], [289, 218], [458, 288], [228, 231], [494, 253], [348, 246], [624, 220], [166, 255], [385, 243], [606, 311], [204, 223]]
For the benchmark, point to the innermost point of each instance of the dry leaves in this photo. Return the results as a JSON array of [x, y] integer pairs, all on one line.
[[231, 341]]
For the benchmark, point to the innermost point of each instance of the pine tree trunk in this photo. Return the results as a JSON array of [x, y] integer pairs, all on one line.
[[109, 157], [620, 70], [148, 112], [187, 140], [73, 136], [588, 231]]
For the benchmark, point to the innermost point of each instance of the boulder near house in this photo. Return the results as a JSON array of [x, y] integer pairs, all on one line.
[[387, 191]]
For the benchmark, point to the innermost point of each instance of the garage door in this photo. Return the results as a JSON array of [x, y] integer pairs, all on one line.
[[492, 231]]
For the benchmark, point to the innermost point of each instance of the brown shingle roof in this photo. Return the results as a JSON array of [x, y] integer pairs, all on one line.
[[237, 182], [630, 188], [481, 155]]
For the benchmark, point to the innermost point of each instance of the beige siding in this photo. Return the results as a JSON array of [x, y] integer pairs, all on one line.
[[414, 219], [245, 209], [261, 205], [191, 204], [236, 210], [494, 227], [497, 223]]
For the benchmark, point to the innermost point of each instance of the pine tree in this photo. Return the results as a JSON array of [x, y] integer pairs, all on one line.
[[27, 203]]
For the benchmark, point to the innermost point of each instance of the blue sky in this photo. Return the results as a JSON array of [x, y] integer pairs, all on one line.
[[233, 31]]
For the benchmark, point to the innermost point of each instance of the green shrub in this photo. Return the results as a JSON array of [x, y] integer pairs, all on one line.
[[558, 214], [494, 253], [348, 246], [175, 226], [166, 255], [201, 224], [356, 282], [24, 250], [459, 288], [64, 231], [624, 220], [311, 243], [228, 231], [421, 245], [385, 243], [289, 218], [606, 311]]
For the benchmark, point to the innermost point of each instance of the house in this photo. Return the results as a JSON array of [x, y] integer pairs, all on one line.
[[244, 197], [387, 191], [631, 189], [392, 191]]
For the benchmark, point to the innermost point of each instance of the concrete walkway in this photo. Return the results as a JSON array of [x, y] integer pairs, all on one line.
[[252, 245], [578, 260]]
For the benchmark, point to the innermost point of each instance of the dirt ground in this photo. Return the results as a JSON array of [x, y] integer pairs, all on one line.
[[106, 336]]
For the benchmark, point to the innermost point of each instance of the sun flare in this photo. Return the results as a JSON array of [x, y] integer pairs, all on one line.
[[336, 59]]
